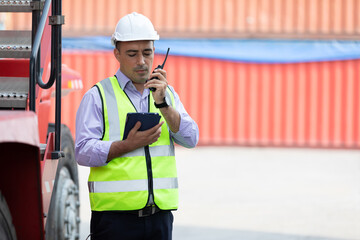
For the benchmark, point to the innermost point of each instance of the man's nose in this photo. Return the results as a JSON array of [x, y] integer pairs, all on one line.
[[141, 60]]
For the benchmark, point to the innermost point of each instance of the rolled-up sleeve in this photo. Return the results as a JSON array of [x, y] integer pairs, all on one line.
[[90, 150], [188, 134]]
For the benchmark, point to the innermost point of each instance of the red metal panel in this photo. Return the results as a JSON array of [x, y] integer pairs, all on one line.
[[20, 127], [299, 105], [22, 190], [20, 154], [216, 18], [14, 67], [221, 18]]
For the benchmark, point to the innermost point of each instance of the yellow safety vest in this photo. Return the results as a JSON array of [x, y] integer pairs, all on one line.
[[126, 181]]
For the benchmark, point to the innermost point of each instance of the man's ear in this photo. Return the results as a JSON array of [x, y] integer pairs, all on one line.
[[117, 53]]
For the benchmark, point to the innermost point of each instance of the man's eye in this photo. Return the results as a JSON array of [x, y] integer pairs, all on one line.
[[132, 55]]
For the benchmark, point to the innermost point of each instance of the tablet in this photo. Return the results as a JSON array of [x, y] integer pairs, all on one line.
[[148, 120]]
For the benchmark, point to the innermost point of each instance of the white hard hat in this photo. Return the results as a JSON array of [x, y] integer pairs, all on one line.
[[134, 27]]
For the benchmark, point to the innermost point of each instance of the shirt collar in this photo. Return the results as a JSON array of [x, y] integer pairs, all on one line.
[[122, 79], [125, 82]]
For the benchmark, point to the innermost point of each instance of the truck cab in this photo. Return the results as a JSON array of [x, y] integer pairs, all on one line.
[[39, 195]]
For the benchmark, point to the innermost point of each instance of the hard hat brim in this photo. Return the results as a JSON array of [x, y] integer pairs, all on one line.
[[116, 38]]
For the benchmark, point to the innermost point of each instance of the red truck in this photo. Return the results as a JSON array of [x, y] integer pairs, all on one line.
[[39, 196]]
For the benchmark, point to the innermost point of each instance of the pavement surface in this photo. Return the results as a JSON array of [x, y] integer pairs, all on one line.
[[231, 193]]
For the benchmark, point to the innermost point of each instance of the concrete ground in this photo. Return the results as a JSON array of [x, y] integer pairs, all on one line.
[[235, 193]]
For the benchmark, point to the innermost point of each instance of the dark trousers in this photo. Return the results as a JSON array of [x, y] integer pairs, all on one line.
[[112, 225]]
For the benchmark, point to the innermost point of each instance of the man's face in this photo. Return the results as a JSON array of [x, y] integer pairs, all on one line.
[[136, 59]]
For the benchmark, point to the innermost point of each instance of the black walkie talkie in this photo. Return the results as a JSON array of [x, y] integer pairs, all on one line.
[[161, 67]]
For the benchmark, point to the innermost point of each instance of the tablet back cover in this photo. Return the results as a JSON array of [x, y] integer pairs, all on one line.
[[148, 120]]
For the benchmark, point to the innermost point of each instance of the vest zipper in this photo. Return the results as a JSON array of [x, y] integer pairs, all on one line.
[[150, 200]]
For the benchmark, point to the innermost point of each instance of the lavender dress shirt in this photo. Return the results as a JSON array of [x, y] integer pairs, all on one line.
[[92, 152]]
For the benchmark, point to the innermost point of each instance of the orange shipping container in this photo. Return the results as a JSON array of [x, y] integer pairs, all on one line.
[[314, 104], [214, 18]]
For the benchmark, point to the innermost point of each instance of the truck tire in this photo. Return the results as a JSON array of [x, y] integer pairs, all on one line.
[[7, 229], [65, 220]]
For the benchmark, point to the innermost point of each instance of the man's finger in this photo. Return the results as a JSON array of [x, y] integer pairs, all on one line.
[[162, 71], [136, 127], [153, 130]]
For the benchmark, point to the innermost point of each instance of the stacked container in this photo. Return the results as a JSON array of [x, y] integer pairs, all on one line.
[[309, 103]]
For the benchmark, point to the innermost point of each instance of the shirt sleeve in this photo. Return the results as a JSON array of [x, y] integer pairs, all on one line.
[[90, 150], [188, 134]]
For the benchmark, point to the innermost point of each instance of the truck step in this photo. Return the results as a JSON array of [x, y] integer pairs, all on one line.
[[13, 92], [13, 101], [15, 44], [16, 6]]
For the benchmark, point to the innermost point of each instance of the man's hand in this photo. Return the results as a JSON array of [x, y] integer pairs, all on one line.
[[172, 117], [138, 138], [160, 85], [134, 140]]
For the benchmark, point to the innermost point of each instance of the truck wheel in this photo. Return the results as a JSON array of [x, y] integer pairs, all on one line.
[[67, 200], [7, 229], [65, 220]]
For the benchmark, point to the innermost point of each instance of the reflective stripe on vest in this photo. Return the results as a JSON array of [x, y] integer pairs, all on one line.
[[155, 151], [123, 183], [131, 185]]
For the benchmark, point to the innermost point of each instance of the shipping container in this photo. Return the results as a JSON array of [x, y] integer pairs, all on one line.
[[338, 19], [312, 104]]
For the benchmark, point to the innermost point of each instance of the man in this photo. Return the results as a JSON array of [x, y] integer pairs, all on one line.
[[132, 182]]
